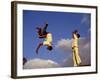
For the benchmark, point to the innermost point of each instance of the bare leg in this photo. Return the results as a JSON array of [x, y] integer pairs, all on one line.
[[40, 44]]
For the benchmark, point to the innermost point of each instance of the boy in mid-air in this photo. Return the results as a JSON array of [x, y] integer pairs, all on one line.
[[42, 33]]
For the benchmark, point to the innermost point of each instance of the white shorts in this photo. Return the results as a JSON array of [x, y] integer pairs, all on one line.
[[47, 43]]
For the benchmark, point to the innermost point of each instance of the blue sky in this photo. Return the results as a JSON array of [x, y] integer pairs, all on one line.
[[60, 24]]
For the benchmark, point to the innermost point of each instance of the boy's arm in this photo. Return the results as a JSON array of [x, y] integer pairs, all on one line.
[[42, 36]]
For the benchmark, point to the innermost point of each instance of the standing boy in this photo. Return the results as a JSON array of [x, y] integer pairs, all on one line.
[[75, 48]]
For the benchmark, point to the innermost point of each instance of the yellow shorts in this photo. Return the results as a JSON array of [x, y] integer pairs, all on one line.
[[47, 43]]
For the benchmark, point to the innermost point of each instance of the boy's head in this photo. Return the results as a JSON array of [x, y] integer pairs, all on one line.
[[49, 48], [76, 32]]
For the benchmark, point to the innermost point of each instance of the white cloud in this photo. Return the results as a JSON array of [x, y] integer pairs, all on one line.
[[40, 63], [68, 62], [85, 53], [85, 20], [84, 49], [64, 44]]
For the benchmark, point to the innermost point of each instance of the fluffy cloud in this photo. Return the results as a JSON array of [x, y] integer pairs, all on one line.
[[85, 19], [40, 63], [84, 49], [64, 44]]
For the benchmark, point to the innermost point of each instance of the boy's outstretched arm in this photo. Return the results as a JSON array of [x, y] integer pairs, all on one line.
[[37, 49]]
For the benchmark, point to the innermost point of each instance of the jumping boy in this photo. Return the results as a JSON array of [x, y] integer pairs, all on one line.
[[42, 33]]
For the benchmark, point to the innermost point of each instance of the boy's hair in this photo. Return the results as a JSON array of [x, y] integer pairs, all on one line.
[[75, 31], [49, 48]]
